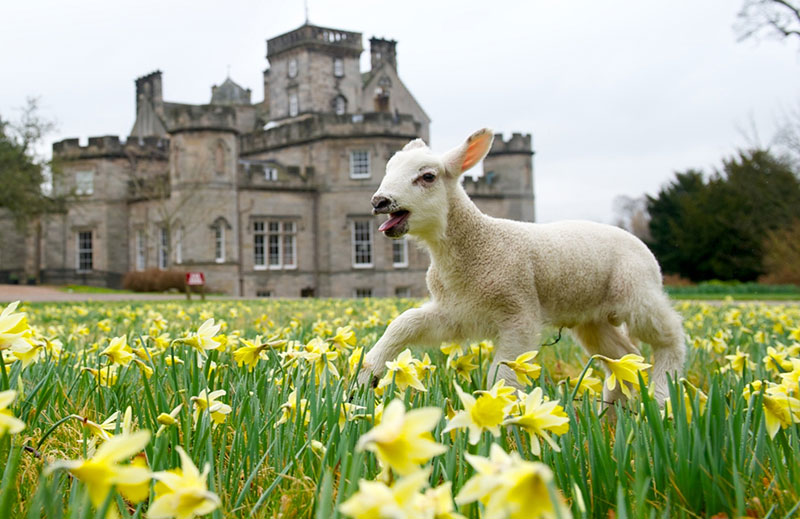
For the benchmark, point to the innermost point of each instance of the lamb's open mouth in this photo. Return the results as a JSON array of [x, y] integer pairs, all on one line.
[[396, 219]]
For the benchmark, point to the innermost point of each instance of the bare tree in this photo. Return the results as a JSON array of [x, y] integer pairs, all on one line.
[[631, 215], [776, 18]]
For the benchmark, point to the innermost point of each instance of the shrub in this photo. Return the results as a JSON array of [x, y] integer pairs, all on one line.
[[782, 255], [154, 280]]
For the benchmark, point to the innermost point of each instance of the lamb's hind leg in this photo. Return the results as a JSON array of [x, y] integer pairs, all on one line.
[[603, 338], [659, 325]]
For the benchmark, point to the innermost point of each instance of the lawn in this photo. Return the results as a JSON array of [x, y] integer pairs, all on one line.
[[263, 402]]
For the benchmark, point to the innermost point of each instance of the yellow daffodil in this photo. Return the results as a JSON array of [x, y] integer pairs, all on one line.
[[376, 500], [780, 411], [791, 380], [439, 502], [539, 417], [345, 336], [167, 420], [203, 339], [690, 392], [510, 487], [102, 471], [355, 358], [404, 371], [8, 422], [403, 440], [290, 409], [463, 365], [776, 361], [14, 330], [624, 370], [739, 361], [183, 494], [523, 368], [250, 353], [208, 402], [590, 384], [119, 351], [484, 413], [318, 353]]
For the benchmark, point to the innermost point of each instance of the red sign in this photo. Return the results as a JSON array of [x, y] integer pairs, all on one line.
[[195, 278]]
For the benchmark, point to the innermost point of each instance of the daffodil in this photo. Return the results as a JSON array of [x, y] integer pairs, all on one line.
[[291, 407], [463, 365], [777, 361], [102, 471], [780, 411], [208, 402], [523, 368], [167, 420], [791, 379], [539, 417], [182, 494], [510, 487], [14, 329], [404, 371], [485, 413], [376, 500], [345, 336], [739, 361], [690, 392], [590, 384], [106, 376], [119, 351], [403, 440], [355, 358], [250, 353], [8, 422], [203, 339], [318, 353], [625, 369]]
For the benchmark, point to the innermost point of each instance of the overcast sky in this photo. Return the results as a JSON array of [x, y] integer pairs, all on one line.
[[617, 94]]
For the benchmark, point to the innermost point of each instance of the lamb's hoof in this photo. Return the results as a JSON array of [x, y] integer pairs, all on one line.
[[374, 382]]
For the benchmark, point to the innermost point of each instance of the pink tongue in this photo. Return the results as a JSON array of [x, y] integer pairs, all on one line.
[[391, 222]]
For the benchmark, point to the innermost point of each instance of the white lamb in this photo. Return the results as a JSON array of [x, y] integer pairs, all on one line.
[[504, 280]]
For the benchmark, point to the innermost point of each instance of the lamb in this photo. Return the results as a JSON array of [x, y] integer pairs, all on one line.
[[503, 280]]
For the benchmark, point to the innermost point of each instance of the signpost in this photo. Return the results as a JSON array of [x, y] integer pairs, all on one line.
[[195, 279]]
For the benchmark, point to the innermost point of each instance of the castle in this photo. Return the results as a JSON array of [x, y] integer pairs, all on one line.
[[268, 199]]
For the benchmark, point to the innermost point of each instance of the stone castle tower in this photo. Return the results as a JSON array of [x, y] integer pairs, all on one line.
[[270, 198]]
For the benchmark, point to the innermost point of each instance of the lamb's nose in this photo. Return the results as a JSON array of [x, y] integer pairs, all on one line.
[[380, 203]]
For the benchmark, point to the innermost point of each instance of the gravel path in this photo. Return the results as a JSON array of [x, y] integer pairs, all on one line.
[[43, 293]]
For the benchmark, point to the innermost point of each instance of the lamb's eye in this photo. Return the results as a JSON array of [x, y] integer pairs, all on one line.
[[428, 177]]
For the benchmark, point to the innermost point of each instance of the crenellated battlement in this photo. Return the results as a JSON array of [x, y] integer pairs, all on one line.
[[313, 35], [181, 118], [310, 128], [517, 143], [110, 146]]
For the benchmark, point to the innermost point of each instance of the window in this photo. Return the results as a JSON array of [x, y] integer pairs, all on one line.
[[85, 251], [84, 182], [402, 292], [219, 243], [270, 173], [141, 251], [293, 68], [400, 252], [179, 245], [163, 247], [263, 293], [359, 164], [363, 292], [274, 244], [362, 243], [340, 105], [338, 67], [294, 107]]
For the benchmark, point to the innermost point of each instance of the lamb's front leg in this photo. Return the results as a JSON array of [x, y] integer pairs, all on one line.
[[512, 342], [416, 326]]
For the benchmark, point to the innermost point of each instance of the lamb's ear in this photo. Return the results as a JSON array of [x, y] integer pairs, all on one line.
[[461, 158], [416, 143]]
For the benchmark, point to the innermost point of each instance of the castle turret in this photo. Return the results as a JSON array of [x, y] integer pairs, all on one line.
[[313, 70], [506, 187], [149, 107], [382, 52]]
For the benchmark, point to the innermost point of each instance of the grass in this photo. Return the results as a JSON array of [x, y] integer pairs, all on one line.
[[85, 289], [711, 456]]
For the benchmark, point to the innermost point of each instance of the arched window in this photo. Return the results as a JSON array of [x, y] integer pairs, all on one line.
[[340, 105]]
